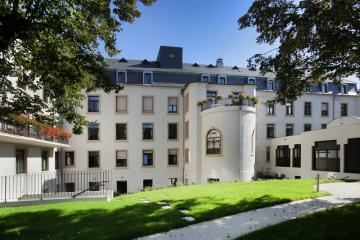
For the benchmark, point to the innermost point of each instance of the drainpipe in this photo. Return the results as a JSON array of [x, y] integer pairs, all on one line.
[[183, 140], [333, 108]]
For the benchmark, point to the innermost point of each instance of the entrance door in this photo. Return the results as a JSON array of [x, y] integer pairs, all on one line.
[[121, 187]]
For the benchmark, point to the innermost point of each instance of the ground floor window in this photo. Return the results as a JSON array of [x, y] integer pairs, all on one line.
[[20, 161], [173, 181], [147, 183], [326, 156], [213, 180], [94, 159], [297, 156], [70, 187], [121, 187], [352, 156], [94, 186], [283, 156], [44, 160], [148, 158], [172, 157]]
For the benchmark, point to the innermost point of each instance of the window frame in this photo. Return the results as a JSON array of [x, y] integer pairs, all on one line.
[[99, 159], [267, 133], [325, 88], [205, 75], [342, 114], [344, 91], [126, 159], [177, 131], [296, 157], [116, 104], [305, 108], [152, 78], [269, 106], [177, 157], [323, 111], [126, 131], [65, 159], [251, 80], [307, 124], [24, 161], [287, 127], [152, 160], [172, 106], [285, 160], [152, 131], [88, 103], [225, 79], [98, 133], [143, 105], [289, 109], [117, 76], [44, 167], [272, 85]]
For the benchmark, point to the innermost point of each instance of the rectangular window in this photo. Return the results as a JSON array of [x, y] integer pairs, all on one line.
[[270, 130], [44, 160], [172, 157], [307, 127], [148, 105], [270, 108], [289, 108], [307, 108], [186, 129], [94, 159], [289, 129], [70, 187], [323, 126], [148, 158], [325, 88], [57, 160], [172, 104], [147, 78], [148, 131], [121, 131], [186, 157], [172, 131], [344, 89], [268, 154], [344, 110], [297, 156], [211, 95], [283, 156], [221, 80], [326, 156], [205, 78], [93, 104], [93, 132], [121, 158], [121, 104], [94, 186], [147, 183], [270, 85], [121, 77], [69, 159], [251, 81], [186, 103], [308, 89], [324, 109], [21, 161], [352, 153]]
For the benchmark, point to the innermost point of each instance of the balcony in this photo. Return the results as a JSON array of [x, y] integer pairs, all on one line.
[[227, 102], [28, 131]]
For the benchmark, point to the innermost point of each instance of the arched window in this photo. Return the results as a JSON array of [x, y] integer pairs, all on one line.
[[213, 142]]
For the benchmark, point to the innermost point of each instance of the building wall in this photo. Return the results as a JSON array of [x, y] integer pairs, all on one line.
[[340, 133], [134, 173], [280, 119]]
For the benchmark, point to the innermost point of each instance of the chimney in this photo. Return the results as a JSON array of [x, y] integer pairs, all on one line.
[[219, 63]]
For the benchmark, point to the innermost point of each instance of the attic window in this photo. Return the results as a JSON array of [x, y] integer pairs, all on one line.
[[195, 65], [123, 60], [171, 55], [235, 68], [210, 66], [252, 68], [145, 61]]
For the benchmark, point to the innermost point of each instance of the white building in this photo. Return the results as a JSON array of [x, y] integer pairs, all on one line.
[[155, 133]]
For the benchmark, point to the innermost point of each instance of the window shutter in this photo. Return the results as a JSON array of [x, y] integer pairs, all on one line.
[[172, 101], [121, 155], [148, 104], [121, 103]]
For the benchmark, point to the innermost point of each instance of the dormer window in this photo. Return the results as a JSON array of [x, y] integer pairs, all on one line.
[[344, 89], [324, 88], [205, 78], [251, 80], [270, 84], [121, 77], [221, 79], [147, 78]]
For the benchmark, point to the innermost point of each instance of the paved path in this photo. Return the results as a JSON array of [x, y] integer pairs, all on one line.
[[239, 224]]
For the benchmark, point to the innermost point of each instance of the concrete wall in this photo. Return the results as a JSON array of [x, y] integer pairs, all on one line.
[[340, 133]]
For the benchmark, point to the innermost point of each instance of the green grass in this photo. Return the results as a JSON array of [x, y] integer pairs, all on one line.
[[127, 216], [340, 223]]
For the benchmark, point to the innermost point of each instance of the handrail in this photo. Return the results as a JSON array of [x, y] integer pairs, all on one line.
[[227, 102], [98, 185], [29, 131]]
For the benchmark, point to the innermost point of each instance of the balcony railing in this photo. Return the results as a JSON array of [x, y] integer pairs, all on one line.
[[29, 131], [228, 102]]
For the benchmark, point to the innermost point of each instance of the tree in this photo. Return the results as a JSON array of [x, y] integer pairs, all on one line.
[[318, 40], [53, 45]]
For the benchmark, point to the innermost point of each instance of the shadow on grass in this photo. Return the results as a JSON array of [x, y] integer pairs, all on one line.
[[125, 222]]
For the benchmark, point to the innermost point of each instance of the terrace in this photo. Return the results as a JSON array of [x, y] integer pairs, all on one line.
[[250, 102]]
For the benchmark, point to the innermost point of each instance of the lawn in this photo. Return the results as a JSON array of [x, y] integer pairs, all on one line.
[[340, 223], [128, 216]]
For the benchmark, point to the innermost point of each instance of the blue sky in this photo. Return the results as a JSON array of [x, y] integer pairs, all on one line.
[[206, 29]]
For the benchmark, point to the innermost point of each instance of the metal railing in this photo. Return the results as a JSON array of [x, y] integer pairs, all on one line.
[[54, 185], [228, 102], [29, 131]]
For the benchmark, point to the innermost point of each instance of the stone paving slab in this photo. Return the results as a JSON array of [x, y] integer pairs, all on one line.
[[233, 226]]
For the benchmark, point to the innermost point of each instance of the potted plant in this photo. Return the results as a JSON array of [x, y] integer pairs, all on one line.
[[255, 99]]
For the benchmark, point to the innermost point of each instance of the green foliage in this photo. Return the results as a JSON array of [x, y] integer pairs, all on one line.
[[127, 217], [318, 40], [53, 45]]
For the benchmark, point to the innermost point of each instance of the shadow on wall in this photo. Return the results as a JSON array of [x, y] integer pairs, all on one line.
[[117, 222]]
